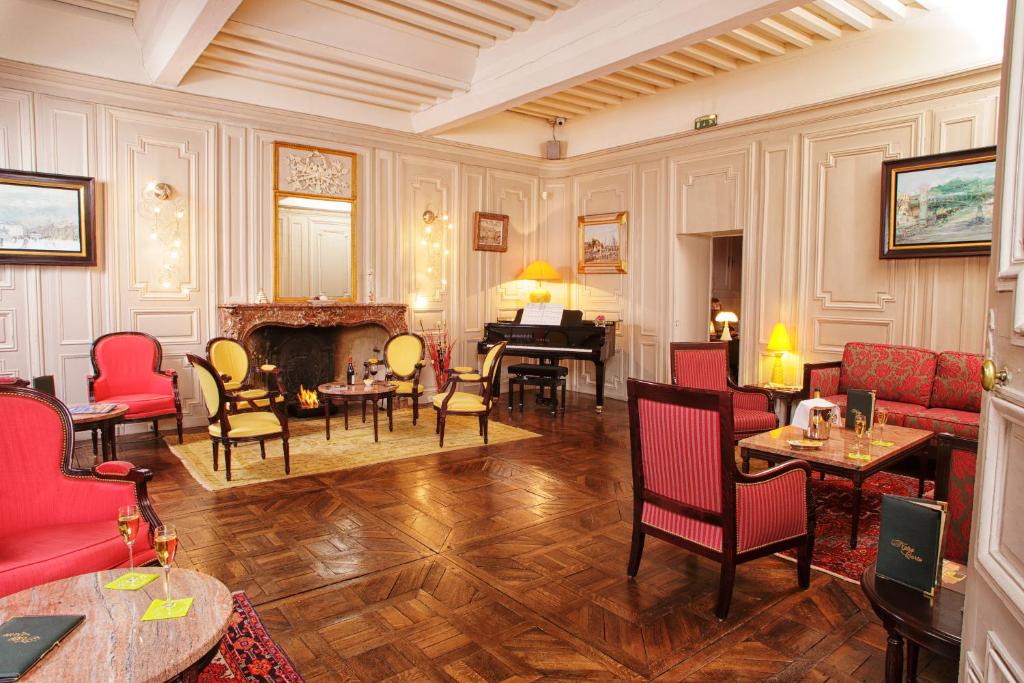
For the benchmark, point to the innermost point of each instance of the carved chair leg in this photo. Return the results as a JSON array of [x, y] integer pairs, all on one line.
[[437, 425], [415, 407], [440, 427], [803, 562], [216, 455], [480, 425], [725, 582], [95, 444], [636, 550], [227, 459], [263, 450], [486, 424], [156, 428], [181, 432], [287, 456]]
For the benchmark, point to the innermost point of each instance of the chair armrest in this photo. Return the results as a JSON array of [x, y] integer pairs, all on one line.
[[224, 377], [121, 471], [169, 373], [421, 364], [823, 376], [270, 369], [751, 398], [773, 472], [469, 377]]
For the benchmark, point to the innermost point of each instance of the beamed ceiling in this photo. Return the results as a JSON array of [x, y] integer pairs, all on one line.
[[448, 62]]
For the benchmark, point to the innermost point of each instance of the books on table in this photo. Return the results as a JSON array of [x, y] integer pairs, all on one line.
[[910, 541]]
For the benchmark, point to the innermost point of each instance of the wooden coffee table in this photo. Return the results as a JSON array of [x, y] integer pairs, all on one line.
[[833, 458], [335, 392], [103, 423], [113, 643]]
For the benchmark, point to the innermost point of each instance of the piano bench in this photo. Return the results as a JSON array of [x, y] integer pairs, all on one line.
[[542, 376]]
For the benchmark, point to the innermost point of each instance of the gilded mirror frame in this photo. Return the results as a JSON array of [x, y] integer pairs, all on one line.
[[279, 193]]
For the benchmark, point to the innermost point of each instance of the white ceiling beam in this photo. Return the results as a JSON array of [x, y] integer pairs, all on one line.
[[709, 57], [173, 33], [575, 100], [846, 13], [647, 77], [562, 4], [596, 38], [784, 32], [759, 42], [494, 12], [545, 109], [537, 10], [460, 18], [735, 50], [595, 95], [564, 106], [666, 69], [813, 23], [610, 89], [699, 68], [523, 112], [893, 10], [399, 13], [630, 84]]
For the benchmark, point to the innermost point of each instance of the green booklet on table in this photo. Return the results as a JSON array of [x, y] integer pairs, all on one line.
[[910, 541], [26, 640], [860, 401]]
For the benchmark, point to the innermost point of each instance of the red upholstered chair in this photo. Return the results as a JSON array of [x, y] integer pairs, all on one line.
[[705, 365], [57, 520], [688, 491], [127, 370], [9, 381]]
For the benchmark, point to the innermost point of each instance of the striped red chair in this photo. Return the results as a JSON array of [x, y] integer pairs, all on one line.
[[688, 491], [705, 365]]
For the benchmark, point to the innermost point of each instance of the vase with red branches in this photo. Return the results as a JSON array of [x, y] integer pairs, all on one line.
[[439, 351]]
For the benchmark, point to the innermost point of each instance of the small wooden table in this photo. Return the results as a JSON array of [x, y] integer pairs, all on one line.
[[103, 423], [833, 458], [932, 623], [334, 392], [784, 395], [113, 643]]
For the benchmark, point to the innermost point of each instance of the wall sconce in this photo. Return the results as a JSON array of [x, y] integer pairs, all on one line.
[[166, 217], [433, 250]]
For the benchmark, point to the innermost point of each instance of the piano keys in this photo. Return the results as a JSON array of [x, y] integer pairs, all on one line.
[[574, 339]]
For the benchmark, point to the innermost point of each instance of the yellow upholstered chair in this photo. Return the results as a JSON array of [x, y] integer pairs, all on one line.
[[453, 402], [403, 358], [231, 428], [231, 361]]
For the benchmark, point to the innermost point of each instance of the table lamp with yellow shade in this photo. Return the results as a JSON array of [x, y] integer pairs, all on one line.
[[779, 344], [540, 271]]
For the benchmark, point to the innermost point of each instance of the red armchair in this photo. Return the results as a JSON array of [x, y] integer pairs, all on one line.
[[688, 491], [57, 520], [127, 370], [705, 365]]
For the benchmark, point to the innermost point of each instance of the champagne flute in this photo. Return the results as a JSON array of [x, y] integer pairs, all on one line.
[[165, 543], [860, 425], [128, 525], [881, 419]]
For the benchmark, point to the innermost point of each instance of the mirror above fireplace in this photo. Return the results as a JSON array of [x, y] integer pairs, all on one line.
[[314, 223]]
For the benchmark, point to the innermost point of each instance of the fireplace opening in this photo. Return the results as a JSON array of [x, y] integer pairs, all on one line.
[[311, 356]]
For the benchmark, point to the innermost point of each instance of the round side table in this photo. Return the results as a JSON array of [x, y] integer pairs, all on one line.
[[334, 392], [104, 424], [113, 643]]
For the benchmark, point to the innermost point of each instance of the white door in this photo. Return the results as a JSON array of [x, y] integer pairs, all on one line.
[[993, 647]]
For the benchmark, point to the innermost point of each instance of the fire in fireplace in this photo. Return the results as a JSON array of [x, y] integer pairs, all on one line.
[[307, 398]]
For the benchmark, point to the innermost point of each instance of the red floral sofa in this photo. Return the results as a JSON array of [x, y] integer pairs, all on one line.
[[57, 520], [940, 392]]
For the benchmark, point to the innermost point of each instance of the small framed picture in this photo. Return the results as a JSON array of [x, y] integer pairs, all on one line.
[[47, 219], [602, 242], [490, 231], [938, 205]]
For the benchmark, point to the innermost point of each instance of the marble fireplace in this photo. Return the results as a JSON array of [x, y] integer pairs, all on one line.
[[311, 343]]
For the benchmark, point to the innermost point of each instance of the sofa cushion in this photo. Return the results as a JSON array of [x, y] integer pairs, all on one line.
[[144, 405], [946, 420], [898, 411], [36, 556], [896, 373], [957, 381], [753, 420]]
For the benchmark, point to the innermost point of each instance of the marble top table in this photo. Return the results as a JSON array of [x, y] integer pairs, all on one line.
[[113, 643]]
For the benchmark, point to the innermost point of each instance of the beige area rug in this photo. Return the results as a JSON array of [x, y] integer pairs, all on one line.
[[312, 453]]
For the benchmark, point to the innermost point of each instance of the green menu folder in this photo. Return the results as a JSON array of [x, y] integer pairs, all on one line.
[[26, 640], [862, 401], [910, 541]]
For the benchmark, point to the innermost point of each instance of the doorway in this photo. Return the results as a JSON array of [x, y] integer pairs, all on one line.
[[726, 288]]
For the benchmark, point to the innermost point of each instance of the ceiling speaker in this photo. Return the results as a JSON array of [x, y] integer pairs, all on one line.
[[553, 149]]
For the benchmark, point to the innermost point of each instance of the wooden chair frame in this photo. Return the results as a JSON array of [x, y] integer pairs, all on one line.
[[486, 383], [157, 363], [223, 418], [248, 382], [730, 556], [808, 391], [414, 377]]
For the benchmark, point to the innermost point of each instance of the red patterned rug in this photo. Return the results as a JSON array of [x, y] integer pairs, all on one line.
[[834, 506], [247, 653]]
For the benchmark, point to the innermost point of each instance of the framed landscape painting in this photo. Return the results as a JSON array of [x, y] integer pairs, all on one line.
[[47, 219], [938, 205], [602, 242], [490, 231]]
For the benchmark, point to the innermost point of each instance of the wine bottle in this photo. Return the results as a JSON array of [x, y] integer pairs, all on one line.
[[350, 373]]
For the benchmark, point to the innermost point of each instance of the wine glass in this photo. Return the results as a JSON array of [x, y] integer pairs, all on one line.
[[374, 367], [128, 525], [881, 419], [165, 543], [860, 425]]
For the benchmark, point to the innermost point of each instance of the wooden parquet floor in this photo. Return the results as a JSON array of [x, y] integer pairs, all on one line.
[[504, 563]]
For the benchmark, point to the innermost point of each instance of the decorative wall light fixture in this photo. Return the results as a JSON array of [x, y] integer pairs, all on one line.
[[432, 253], [165, 215]]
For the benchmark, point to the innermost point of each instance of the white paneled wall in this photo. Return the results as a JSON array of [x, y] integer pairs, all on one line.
[[802, 188]]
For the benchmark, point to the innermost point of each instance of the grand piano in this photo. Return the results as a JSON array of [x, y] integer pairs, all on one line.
[[574, 338]]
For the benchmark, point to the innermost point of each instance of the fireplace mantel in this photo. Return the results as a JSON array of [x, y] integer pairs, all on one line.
[[241, 320]]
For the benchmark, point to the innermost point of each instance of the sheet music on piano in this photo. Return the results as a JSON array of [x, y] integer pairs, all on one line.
[[542, 314]]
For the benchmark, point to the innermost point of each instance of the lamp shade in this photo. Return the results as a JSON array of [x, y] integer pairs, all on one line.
[[539, 270], [726, 317], [779, 341]]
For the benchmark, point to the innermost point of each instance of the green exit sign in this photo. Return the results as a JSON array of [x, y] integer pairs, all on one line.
[[703, 122]]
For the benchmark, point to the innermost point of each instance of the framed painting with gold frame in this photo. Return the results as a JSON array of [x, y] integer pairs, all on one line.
[[314, 181], [938, 205], [47, 219], [602, 242], [490, 231]]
